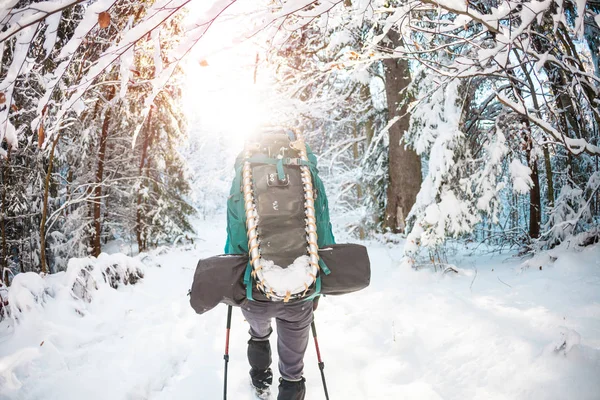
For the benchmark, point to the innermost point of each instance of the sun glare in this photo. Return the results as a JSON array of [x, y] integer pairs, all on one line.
[[223, 101], [221, 97]]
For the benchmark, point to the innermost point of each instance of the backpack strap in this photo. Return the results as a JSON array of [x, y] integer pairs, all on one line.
[[248, 281], [324, 267], [280, 171], [275, 161], [317, 290]]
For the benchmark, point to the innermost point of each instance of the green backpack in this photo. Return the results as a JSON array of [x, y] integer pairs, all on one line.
[[278, 190]]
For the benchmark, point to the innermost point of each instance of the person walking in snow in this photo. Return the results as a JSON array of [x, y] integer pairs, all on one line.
[[280, 256], [276, 169]]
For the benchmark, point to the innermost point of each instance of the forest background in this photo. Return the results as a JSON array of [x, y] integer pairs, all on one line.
[[438, 120]]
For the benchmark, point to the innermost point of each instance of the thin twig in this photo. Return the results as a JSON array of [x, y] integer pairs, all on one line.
[[504, 282], [471, 286]]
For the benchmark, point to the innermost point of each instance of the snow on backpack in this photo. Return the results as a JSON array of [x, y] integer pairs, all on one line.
[[280, 245]]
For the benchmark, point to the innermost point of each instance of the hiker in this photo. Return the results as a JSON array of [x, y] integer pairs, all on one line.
[[277, 260], [292, 318]]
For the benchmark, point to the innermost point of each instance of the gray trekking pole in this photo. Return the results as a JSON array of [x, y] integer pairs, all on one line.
[[226, 356], [321, 363]]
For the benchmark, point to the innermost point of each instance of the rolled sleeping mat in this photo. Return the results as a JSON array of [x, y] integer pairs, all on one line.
[[220, 279], [350, 268]]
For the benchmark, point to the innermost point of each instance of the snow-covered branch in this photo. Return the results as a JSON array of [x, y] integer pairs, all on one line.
[[574, 146]]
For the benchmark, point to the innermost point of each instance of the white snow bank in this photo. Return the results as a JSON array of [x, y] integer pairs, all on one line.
[[26, 292], [82, 278]]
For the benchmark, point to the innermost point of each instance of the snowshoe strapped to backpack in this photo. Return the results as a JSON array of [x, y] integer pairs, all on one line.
[[278, 214]]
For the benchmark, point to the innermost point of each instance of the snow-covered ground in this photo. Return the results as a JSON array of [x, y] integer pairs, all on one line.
[[503, 332]]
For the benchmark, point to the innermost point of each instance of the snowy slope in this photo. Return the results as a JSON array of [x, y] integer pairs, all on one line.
[[506, 333]]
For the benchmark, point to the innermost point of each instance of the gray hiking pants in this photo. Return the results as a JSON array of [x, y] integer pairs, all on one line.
[[293, 330]]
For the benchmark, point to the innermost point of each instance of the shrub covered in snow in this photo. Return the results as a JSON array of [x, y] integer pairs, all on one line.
[[83, 277], [3, 301], [27, 292], [572, 215]]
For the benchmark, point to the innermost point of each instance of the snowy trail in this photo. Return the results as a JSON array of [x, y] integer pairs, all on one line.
[[411, 335]]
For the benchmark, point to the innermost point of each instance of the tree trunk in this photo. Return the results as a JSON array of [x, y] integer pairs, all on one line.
[[404, 164], [96, 243], [535, 201], [549, 175], [365, 94], [3, 212], [139, 226], [359, 191], [45, 208], [68, 187]]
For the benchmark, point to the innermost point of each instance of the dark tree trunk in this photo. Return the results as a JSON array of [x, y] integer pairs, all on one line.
[[549, 175], [68, 186], [535, 200], [359, 190], [141, 239], [3, 212], [43, 260], [404, 164], [96, 243]]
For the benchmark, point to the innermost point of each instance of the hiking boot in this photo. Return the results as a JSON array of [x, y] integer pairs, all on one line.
[[259, 357], [261, 380], [291, 390]]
